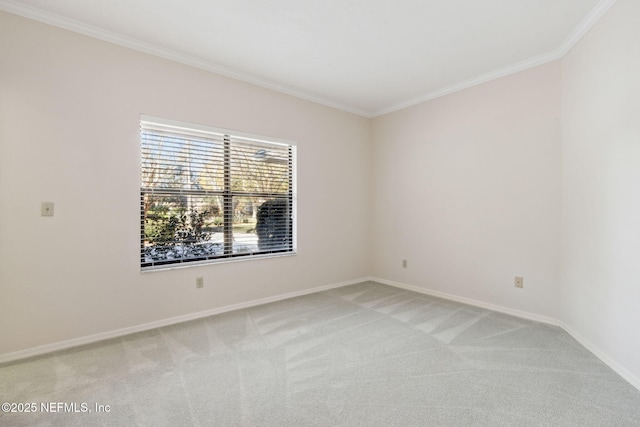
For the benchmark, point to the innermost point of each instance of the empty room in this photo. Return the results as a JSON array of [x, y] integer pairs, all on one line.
[[306, 213]]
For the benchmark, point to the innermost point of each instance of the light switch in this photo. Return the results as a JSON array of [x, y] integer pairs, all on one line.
[[46, 209]]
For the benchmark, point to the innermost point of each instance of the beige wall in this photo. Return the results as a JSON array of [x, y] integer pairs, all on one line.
[[601, 188], [535, 174], [69, 116], [467, 190]]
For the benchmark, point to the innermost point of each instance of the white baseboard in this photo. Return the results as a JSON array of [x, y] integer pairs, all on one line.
[[617, 367], [501, 309], [75, 342], [610, 362], [62, 345]]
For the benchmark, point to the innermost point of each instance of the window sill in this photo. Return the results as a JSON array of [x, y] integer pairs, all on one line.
[[179, 266]]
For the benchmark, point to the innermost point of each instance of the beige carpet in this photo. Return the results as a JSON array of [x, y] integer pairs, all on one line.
[[361, 355]]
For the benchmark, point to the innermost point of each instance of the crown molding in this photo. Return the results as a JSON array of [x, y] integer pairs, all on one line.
[[36, 14], [55, 20], [589, 21], [484, 78]]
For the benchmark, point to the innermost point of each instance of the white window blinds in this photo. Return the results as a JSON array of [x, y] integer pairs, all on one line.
[[208, 194]]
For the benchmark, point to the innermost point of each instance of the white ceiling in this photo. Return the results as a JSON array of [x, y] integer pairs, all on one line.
[[365, 56]]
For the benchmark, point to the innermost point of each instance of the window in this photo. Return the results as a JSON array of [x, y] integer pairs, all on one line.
[[208, 195]]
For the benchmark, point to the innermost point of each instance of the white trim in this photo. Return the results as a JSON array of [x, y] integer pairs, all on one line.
[[62, 345], [607, 360], [617, 367], [36, 14], [222, 260], [49, 18], [500, 309], [591, 19], [181, 126], [75, 342], [493, 75]]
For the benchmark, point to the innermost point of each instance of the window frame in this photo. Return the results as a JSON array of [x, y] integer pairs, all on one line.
[[230, 138]]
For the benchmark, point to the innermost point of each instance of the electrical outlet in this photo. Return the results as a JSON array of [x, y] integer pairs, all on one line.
[[518, 282], [199, 282], [404, 263]]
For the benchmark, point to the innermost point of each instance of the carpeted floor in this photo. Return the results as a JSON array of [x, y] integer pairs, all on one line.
[[361, 355]]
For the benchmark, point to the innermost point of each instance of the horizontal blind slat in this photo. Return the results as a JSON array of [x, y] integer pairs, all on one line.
[[195, 175]]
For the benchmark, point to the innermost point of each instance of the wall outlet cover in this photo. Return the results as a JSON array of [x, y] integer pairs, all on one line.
[[46, 209]]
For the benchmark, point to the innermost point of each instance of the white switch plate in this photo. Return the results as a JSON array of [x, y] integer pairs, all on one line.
[[46, 209]]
